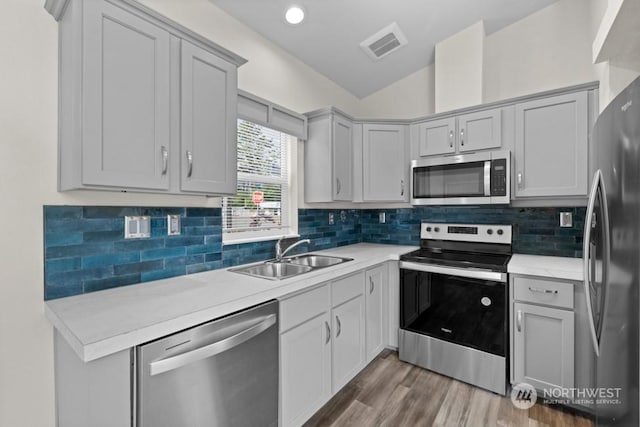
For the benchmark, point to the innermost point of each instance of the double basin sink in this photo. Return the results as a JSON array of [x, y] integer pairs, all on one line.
[[289, 267]]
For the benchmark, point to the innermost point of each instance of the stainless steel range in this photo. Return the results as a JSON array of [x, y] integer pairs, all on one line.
[[454, 303]]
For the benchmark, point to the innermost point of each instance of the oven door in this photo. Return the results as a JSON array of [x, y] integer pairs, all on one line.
[[469, 311]]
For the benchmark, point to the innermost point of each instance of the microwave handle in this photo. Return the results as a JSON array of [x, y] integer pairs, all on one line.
[[487, 178]]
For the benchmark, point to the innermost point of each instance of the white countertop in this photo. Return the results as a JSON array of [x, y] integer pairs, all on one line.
[[547, 266], [102, 323]]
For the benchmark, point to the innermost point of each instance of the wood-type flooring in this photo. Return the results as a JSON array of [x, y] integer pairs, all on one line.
[[389, 392]]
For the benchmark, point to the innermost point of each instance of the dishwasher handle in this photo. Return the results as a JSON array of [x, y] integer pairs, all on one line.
[[175, 362]]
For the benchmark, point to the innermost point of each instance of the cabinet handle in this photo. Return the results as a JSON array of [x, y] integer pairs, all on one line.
[[338, 185], [402, 187], [543, 291], [519, 320], [462, 137], [450, 139], [371, 285], [165, 159], [190, 160], [326, 324], [519, 179], [339, 327]]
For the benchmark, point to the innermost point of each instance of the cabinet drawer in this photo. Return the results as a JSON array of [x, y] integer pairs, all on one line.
[[541, 291], [346, 288], [300, 308]]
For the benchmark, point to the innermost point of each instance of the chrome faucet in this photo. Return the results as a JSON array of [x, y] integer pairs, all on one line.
[[281, 253]]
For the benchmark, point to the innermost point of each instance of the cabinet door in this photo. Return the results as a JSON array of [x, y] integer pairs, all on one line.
[[480, 131], [385, 164], [543, 346], [305, 370], [208, 122], [551, 147], [437, 137], [376, 290], [348, 341], [342, 135], [126, 100]]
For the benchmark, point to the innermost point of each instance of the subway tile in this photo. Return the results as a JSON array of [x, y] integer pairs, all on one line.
[[203, 212], [182, 241], [63, 239], [66, 290], [78, 250], [154, 254], [62, 264], [109, 259], [138, 267], [65, 278], [138, 244], [110, 211], [110, 282], [162, 274], [62, 212], [103, 236]]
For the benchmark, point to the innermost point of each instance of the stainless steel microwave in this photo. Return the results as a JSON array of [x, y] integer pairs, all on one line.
[[466, 179]]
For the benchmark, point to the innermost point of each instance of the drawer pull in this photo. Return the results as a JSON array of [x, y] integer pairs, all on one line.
[[543, 291]]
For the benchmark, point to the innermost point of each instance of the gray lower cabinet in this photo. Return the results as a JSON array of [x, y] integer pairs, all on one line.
[[551, 147], [137, 91], [385, 163], [327, 336], [550, 342], [96, 393], [328, 157]]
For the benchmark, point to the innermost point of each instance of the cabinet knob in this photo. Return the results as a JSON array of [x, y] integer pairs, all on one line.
[[519, 179], [339, 327], [519, 320], [402, 187], [462, 137], [451, 139], [338, 186], [371, 285]]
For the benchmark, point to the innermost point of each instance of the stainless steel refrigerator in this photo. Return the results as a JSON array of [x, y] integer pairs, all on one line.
[[612, 259]]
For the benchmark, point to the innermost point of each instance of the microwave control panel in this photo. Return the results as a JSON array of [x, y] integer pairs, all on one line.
[[499, 177]]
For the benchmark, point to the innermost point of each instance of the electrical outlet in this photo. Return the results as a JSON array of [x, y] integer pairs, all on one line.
[[137, 227], [332, 218], [382, 217], [566, 219], [173, 225]]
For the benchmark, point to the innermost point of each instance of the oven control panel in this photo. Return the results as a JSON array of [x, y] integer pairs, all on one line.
[[485, 233]]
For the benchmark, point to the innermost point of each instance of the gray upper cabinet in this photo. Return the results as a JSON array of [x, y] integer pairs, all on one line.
[[208, 122], [385, 163], [145, 104], [328, 158], [474, 131], [551, 147]]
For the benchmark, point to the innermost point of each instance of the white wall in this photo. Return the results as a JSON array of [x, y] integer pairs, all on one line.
[[410, 97], [547, 50], [459, 64]]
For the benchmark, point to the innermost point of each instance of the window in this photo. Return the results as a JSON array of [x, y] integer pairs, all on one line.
[[261, 208]]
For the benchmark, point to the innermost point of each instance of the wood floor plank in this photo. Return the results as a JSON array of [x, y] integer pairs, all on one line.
[[392, 393]]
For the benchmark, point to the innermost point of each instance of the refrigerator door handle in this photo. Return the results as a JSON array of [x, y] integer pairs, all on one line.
[[586, 254]]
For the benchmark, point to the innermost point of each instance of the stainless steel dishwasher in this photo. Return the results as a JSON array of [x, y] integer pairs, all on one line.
[[221, 373]]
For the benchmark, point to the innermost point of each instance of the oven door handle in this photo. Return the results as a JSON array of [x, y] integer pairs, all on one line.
[[471, 272]]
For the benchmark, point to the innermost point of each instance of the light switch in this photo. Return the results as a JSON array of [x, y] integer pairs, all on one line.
[[173, 225], [137, 227]]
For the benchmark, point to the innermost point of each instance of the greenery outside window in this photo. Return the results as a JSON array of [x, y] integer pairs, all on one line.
[[261, 208]]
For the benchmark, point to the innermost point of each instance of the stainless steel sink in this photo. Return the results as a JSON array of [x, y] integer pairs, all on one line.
[[289, 267], [317, 261]]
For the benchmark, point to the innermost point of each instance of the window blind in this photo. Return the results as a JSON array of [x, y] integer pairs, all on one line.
[[261, 202]]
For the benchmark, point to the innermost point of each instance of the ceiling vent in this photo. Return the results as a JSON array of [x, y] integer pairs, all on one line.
[[385, 41]]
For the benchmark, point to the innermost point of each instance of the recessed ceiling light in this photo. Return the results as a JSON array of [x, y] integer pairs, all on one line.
[[294, 15]]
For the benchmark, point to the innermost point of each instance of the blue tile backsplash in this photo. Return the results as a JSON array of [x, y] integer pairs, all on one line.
[[85, 249]]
